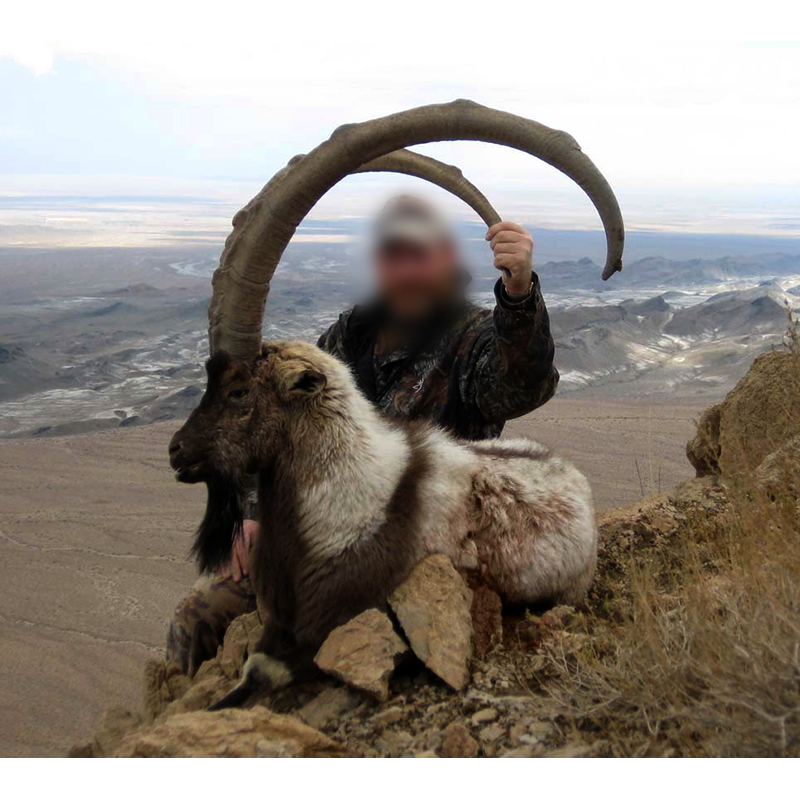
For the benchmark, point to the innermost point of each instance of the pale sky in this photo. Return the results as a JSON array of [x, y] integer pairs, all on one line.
[[209, 98]]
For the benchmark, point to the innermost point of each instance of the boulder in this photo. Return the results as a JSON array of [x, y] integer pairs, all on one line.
[[363, 653], [433, 607], [756, 418], [233, 733]]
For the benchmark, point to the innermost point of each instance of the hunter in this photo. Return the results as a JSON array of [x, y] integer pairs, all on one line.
[[419, 350]]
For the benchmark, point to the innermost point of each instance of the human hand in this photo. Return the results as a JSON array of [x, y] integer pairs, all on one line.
[[239, 565], [513, 256]]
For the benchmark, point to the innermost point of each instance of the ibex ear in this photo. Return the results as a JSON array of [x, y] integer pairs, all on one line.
[[309, 382], [301, 381]]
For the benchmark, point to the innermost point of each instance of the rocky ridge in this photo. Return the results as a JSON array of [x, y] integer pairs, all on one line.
[[444, 672]]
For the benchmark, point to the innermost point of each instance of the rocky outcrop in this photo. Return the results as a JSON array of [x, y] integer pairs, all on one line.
[[233, 733], [433, 607], [459, 633], [448, 625], [757, 417], [363, 653], [653, 525]]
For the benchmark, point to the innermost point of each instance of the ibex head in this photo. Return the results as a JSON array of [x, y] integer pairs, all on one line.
[[243, 416], [240, 427]]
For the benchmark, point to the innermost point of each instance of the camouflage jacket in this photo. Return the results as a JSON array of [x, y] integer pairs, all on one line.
[[470, 371]]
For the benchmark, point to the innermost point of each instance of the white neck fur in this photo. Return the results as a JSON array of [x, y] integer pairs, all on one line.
[[347, 466]]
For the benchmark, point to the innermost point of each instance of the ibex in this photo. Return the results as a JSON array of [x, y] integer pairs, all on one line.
[[349, 501]]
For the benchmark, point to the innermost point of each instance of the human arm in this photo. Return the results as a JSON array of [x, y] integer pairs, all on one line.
[[509, 370]]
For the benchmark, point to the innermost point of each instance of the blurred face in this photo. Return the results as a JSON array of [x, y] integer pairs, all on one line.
[[414, 278]]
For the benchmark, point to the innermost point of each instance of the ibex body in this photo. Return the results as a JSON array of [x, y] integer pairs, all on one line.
[[350, 502]]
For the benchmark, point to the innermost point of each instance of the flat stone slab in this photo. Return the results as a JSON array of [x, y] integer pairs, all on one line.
[[433, 607], [363, 653]]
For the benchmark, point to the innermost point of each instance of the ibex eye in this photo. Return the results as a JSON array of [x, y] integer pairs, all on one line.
[[237, 393]]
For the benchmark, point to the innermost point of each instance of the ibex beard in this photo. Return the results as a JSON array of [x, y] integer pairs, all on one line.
[[349, 502]]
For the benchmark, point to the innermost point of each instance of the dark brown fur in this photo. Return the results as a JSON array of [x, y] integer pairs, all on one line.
[[304, 597], [362, 576]]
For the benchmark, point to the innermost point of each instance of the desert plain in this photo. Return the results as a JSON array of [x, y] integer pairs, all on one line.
[[95, 532], [101, 351]]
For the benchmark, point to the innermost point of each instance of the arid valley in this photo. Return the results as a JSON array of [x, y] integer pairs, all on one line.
[[101, 352], [95, 533]]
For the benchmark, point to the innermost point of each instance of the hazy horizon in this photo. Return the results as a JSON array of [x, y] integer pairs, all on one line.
[[685, 131], [61, 213]]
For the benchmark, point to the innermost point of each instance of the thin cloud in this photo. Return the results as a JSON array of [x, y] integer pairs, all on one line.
[[193, 90]]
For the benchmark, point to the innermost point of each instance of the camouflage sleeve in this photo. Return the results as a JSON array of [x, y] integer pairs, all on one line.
[[332, 341], [510, 369]]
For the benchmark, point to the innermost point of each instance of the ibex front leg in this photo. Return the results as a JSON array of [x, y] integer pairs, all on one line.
[[270, 668]]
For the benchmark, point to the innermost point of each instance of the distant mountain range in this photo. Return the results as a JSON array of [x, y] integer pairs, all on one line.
[[94, 355], [653, 347], [661, 272]]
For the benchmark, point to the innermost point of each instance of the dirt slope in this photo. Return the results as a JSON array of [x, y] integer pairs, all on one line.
[[93, 538], [94, 534]]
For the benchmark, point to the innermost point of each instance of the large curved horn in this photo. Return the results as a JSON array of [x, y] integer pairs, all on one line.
[[264, 227], [447, 176], [401, 161]]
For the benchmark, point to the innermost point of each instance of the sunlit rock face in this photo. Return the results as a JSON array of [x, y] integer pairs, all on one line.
[[760, 415]]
